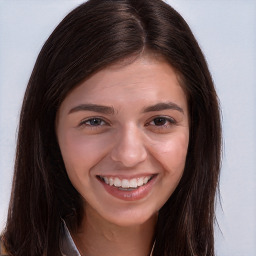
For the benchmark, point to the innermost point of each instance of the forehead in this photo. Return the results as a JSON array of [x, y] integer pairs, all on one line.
[[129, 82]]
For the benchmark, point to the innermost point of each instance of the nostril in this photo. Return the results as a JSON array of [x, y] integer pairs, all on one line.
[[129, 160]]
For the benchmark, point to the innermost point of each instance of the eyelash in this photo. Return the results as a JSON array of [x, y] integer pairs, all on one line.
[[84, 122], [166, 120]]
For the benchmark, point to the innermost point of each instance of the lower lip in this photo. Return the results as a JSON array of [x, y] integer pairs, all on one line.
[[133, 195]]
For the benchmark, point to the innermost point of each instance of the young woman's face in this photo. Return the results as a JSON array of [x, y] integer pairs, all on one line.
[[124, 134]]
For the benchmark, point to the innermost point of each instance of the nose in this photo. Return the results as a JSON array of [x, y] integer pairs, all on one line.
[[129, 148]]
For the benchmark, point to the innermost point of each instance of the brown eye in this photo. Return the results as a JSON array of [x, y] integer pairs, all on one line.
[[159, 121]]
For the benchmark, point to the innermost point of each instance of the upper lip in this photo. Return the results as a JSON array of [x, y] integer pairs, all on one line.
[[128, 177]]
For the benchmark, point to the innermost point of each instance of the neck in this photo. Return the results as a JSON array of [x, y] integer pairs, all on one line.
[[97, 237]]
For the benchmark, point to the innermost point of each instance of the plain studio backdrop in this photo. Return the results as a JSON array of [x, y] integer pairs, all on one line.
[[226, 31]]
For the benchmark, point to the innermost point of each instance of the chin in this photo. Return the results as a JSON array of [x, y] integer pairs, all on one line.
[[131, 218]]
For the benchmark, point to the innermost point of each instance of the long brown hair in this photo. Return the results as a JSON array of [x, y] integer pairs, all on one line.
[[91, 37]]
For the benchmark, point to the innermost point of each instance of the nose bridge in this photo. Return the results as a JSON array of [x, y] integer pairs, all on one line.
[[129, 148]]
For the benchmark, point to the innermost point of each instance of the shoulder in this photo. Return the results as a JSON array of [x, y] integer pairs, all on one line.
[[3, 251]]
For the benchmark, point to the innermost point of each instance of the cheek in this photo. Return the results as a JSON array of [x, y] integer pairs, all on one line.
[[171, 156], [172, 152], [80, 153]]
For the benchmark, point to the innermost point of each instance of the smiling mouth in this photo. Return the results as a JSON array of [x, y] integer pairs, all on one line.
[[126, 184]]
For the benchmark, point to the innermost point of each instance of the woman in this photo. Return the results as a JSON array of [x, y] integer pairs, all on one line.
[[119, 139]]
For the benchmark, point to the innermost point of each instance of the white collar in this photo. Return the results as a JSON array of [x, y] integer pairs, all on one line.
[[67, 245]]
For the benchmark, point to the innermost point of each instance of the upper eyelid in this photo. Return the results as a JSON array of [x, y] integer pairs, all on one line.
[[94, 117], [168, 118]]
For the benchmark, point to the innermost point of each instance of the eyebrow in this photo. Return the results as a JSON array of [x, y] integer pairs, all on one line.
[[163, 106], [110, 110], [93, 107]]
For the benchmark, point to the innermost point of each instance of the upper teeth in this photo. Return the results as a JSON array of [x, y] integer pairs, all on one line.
[[125, 183]]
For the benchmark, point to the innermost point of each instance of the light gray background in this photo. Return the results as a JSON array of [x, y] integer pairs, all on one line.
[[226, 31]]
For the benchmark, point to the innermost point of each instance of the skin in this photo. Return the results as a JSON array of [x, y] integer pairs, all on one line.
[[129, 140]]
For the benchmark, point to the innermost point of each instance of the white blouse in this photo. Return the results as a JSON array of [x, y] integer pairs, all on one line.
[[67, 245]]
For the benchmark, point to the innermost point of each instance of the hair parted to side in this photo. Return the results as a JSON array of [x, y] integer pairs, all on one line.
[[91, 37]]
